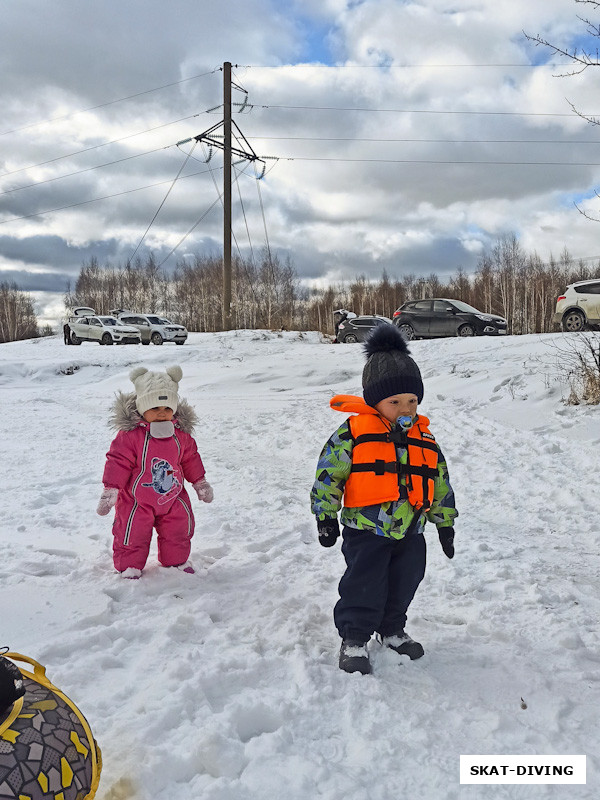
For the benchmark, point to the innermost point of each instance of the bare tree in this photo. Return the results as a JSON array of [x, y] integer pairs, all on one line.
[[581, 58], [17, 316]]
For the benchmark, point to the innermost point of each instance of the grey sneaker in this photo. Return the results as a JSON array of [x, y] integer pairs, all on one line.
[[403, 644], [354, 657]]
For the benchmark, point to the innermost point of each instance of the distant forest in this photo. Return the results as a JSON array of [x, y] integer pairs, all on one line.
[[268, 294]]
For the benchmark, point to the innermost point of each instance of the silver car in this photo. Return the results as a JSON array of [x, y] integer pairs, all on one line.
[[102, 329], [153, 328]]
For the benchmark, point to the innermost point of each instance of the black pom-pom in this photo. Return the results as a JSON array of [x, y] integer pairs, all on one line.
[[383, 339]]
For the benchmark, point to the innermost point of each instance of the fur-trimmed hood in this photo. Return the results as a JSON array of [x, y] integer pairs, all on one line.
[[124, 415]]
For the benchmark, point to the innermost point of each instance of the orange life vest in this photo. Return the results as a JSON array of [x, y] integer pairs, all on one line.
[[376, 472]]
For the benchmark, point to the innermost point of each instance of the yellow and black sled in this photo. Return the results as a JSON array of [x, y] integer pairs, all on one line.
[[47, 750]]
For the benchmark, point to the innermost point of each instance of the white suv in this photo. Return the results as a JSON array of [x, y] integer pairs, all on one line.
[[153, 328], [86, 326], [579, 306]]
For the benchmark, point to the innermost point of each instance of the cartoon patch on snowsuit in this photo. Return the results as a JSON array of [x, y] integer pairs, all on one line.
[[164, 481]]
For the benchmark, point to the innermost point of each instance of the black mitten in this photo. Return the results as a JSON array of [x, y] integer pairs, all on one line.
[[447, 541], [329, 530]]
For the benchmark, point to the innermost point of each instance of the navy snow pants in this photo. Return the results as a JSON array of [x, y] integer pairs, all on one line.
[[380, 581]]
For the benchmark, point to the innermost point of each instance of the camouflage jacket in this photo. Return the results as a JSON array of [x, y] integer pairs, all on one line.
[[393, 519]]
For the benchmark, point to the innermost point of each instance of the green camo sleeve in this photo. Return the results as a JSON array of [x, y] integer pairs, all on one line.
[[333, 469], [443, 509]]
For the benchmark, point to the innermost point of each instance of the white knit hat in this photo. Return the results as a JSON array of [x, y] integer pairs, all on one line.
[[155, 389]]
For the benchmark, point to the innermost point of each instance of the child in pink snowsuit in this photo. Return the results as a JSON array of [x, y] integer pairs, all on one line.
[[145, 469]]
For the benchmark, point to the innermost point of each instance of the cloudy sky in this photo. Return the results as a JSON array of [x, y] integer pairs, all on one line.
[[405, 136]]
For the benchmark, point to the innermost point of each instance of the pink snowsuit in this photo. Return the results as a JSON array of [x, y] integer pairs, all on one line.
[[149, 474]]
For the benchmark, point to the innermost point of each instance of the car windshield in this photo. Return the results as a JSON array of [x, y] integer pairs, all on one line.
[[385, 319], [465, 307], [108, 320], [156, 321]]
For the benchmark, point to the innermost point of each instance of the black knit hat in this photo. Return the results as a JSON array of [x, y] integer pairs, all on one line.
[[389, 369]]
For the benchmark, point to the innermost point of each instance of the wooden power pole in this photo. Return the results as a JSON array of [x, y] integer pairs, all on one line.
[[241, 149], [227, 196]]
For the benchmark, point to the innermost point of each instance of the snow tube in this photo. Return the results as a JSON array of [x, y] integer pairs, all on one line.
[[47, 751]]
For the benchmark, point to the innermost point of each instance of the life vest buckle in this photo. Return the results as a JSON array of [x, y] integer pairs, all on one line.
[[397, 437]]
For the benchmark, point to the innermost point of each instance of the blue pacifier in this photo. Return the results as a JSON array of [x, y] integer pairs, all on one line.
[[405, 422]]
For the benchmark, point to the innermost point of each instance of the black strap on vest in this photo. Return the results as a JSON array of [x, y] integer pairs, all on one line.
[[397, 437], [380, 467]]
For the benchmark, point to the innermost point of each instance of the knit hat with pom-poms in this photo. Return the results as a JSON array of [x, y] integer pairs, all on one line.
[[154, 389]]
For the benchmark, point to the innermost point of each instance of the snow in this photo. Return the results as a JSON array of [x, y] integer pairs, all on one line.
[[224, 685]]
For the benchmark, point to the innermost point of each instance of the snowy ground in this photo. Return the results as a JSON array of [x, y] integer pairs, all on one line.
[[224, 685]]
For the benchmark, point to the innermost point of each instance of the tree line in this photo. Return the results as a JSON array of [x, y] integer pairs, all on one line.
[[507, 281], [267, 293]]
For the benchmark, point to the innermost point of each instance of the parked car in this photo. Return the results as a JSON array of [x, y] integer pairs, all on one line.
[[86, 326], [441, 317], [579, 306], [355, 329], [153, 328]]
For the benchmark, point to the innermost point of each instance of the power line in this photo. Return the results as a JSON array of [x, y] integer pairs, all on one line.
[[96, 199], [109, 103], [309, 139], [50, 120], [97, 146], [195, 225], [284, 158], [426, 141], [193, 116], [245, 223], [416, 111], [385, 68], [432, 161], [187, 158], [264, 219], [87, 169]]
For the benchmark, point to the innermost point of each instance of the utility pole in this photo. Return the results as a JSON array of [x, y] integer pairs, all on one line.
[[227, 196], [243, 151]]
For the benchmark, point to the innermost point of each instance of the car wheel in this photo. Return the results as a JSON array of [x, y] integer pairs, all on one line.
[[75, 339], [466, 330], [351, 338], [156, 338], [573, 321], [106, 339], [179, 342], [407, 331]]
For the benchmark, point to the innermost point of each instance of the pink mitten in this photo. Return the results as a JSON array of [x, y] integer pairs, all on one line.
[[204, 490], [107, 500]]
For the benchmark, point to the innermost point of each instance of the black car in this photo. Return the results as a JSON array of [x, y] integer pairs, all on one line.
[[356, 329], [440, 317]]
